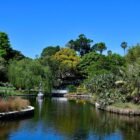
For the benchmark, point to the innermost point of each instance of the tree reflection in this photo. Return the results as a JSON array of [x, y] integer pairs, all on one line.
[[74, 120], [79, 120], [7, 127]]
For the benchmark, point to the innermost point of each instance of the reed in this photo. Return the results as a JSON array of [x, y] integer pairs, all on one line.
[[13, 104]]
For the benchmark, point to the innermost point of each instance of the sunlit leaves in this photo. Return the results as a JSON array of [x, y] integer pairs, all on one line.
[[67, 58]]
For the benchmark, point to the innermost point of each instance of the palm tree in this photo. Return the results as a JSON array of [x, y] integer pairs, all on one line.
[[109, 52], [124, 46], [101, 47]]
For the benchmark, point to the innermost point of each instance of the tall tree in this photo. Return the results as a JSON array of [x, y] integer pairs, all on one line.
[[6, 51], [109, 52], [100, 47], [82, 44], [5, 46], [67, 58], [68, 61], [124, 46], [49, 51]]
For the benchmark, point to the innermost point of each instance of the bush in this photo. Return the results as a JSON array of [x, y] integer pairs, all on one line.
[[107, 89], [71, 88]]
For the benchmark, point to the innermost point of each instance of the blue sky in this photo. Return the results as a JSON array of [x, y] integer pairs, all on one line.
[[35, 24]]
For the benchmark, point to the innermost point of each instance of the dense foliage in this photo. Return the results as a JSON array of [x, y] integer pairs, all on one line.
[[121, 86], [133, 54], [111, 78], [99, 47], [82, 45], [6, 55], [49, 51], [6, 51], [27, 74], [95, 64], [67, 68]]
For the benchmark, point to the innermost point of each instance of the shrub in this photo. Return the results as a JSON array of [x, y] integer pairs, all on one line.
[[71, 88]]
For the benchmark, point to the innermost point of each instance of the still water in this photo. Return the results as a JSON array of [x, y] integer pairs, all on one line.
[[62, 119]]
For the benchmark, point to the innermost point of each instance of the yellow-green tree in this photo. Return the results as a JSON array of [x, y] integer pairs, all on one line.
[[67, 58], [68, 61]]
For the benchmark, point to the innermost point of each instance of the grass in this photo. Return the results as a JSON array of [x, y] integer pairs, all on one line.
[[7, 91], [7, 88], [126, 106], [13, 104]]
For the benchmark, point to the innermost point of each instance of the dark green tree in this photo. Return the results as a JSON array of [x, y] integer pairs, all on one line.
[[6, 51], [5, 46], [109, 52], [82, 44], [124, 46], [3, 70], [49, 51], [94, 64], [99, 47]]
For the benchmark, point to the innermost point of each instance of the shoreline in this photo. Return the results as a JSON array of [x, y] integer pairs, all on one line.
[[120, 111], [17, 114], [110, 109]]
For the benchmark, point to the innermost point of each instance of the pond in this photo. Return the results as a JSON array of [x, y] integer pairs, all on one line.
[[62, 119]]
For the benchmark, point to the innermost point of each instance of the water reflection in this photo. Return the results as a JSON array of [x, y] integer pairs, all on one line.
[[39, 101], [60, 119], [60, 99], [6, 128]]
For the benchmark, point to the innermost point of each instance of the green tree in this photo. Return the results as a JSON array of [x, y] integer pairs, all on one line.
[[27, 74], [68, 58], [109, 52], [15, 54], [82, 44], [68, 61], [6, 51], [93, 64], [86, 61], [124, 46], [48, 60], [133, 54], [3, 70], [53, 64], [99, 47], [5, 46], [49, 51]]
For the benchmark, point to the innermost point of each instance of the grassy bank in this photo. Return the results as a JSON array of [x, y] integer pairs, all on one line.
[[126, 106]]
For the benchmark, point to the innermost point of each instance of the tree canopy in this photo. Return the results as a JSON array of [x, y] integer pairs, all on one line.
[[68, 61], [78, 64], [82, 44], [94, 63], [124, 46], [99, 47], [49, 51], [27, 74], [6, 50], [133, 54]]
